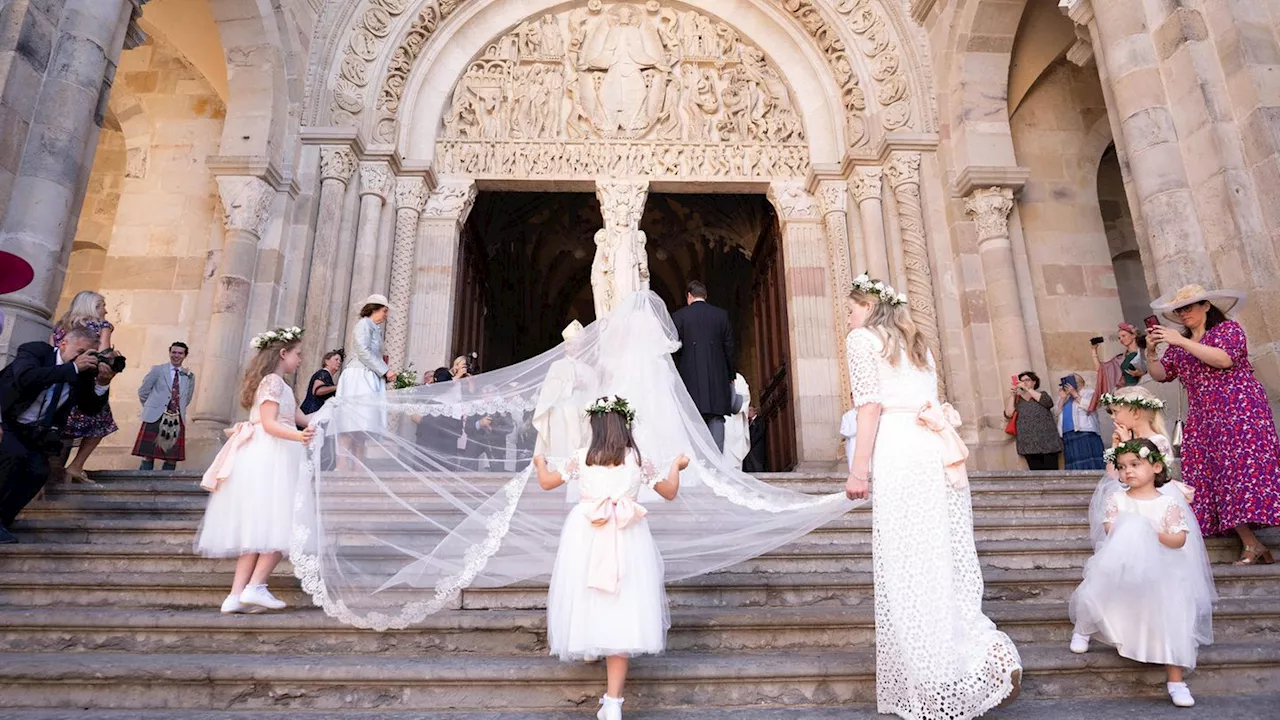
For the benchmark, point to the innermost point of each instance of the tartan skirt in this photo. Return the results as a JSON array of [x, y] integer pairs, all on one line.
[[1083, 451], [149, 445]]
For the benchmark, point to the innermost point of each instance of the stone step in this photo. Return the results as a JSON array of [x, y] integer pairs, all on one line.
[[486, 682], [308, 631]]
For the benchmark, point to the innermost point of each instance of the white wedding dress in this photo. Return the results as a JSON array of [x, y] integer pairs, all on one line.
[[937, 655]]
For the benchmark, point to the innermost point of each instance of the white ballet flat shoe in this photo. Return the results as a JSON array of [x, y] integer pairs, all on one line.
[[259, 595], [232, 605], [1079, 643], [610, 708], [1180, 694]]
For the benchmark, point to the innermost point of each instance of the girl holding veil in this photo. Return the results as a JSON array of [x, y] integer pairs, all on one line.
[[937, 655]]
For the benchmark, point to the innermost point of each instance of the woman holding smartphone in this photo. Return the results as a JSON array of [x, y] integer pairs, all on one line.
[[1038, 439], [1123, 370]]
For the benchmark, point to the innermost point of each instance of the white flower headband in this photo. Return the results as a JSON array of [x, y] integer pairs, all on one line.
[[285, 335], [1142, 403], [615, 404], [864, 284], [1136, 447]]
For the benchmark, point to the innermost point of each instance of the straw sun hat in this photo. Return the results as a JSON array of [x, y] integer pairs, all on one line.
[[1224, 300]]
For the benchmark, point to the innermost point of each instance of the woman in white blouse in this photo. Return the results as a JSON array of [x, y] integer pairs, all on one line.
[[364, 381]]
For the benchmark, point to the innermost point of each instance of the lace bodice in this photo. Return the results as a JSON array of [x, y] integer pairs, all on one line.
[[274, 389], [624, 480], [1163, 512], [874, 380]]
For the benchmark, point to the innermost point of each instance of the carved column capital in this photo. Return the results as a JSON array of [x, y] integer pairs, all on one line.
[[337, 162], [834, 196], [622, 201], [903, 169], [376, 179], [792, 202], [452, 199], [867, 183], [990, 209], [411, 193], [246, 203]]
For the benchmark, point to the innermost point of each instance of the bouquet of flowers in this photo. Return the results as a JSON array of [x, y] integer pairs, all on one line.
[[406, 378]]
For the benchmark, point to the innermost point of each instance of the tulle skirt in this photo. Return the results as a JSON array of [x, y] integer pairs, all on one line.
[[1137, 597], [584, 623], [252, 510], [364, 414]]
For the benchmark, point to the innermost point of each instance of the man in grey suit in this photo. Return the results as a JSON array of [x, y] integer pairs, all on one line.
[[165, 394]]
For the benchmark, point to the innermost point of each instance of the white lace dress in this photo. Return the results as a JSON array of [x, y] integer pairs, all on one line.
[[585, 619], [937, 656]]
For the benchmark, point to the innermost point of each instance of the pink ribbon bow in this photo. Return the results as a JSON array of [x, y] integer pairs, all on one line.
[[220, 469], [944, 420], [609, 516]]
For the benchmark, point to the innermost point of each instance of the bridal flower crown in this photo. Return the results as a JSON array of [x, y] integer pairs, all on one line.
[[1135, 447], [864, 284], [1141, 403], [616, 404], [285, 335]]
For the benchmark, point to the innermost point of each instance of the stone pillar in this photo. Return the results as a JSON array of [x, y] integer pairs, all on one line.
[[815, 390], [904, 177], [431, 308], [376, 183], [621, 263], [990, 209], [411, 198], [834, 197], [337, 165], [53, 157], [866, 184], [246, 202]]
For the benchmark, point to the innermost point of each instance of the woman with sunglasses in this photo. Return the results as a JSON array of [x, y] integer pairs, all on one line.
[[1230, 452]]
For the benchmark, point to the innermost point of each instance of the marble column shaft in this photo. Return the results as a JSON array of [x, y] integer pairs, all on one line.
[[866, 185], [834, 197], [990, 209], [904, 177], [411, 198], [337, 164], [436, 269], [376, 184]]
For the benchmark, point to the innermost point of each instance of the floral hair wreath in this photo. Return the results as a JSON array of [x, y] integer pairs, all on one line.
[[284, 335], [864, 284], [1137, 447], [616, 404], [1141, 403]]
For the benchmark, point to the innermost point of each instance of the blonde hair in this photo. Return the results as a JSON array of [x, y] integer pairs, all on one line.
[[894, 325], [261, 365], [1136, 392], [84, 307]]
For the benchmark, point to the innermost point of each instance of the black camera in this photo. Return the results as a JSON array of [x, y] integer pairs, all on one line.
[[111, 359], [44, 440]]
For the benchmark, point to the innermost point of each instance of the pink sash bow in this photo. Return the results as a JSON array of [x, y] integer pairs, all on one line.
[[944, 420], [609, 516], [220, 469]]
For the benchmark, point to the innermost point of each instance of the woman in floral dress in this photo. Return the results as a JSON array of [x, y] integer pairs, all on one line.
[[88, 309], [1230, 453]]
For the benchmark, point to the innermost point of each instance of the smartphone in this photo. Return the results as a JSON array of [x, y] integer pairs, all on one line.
[[1096, 341], [1013, 381], [1151, 321], [1068, 380]]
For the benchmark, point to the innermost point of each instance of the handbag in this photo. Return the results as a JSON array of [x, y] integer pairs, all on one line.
[[1011, 427]]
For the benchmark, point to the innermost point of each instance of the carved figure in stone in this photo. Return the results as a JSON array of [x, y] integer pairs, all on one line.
[[620, 245], [602, 273], [549, 37], [528, 39], [623, 44]]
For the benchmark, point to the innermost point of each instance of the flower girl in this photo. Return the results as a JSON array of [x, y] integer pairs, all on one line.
[[1137, 415], [607, 597], [1148, 589], [253, 478]]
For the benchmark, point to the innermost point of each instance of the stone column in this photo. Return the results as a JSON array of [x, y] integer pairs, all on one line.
[[834, 197], [990, 209], [612, 279], [815, 390], [337, 165], [246, 202], [55, 153], [376, 183], [866, 184], [431, 308], [904, 177], [411, 198]]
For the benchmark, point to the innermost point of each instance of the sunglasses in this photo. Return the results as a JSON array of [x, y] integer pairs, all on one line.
[[1185, 309]]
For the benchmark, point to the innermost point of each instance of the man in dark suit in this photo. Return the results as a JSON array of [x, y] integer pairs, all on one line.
[[705, 359], [755, 461], [37, 392]]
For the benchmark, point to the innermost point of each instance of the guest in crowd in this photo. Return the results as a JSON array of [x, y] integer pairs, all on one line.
[[1078, 423], [38, 391], [1038, 440], [1230, 453], [756, 461], [322, 385], [366, 373], [1123, 370], [165, 393], [705, 358], [88, 310]]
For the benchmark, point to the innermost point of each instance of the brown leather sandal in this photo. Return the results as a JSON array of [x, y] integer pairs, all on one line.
[[1258, 555]]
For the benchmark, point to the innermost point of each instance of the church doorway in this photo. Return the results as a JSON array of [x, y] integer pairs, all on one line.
[[525, 267]]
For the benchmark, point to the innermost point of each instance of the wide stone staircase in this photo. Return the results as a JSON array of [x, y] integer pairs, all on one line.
[[103, 607]]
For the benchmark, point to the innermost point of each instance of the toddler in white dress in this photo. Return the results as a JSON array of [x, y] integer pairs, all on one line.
[[1148, 589], [254, 478], [607, 597]]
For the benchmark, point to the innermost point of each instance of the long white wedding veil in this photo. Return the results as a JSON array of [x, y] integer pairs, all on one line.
[[394, 523]]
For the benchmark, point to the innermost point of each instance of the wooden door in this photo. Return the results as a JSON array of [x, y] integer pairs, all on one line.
[[773, 353]]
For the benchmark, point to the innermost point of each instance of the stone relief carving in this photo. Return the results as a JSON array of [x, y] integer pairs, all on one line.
[[866, 182], [621, 263], [591, 159], [990, 208], [453, 198], [411, 193], [406, 54], [337, 163], [903, 173], [246, 203], [792, 202], [375, 179]]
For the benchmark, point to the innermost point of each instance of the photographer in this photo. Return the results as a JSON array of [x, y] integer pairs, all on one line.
[[1123, 370], [1078, 425], [38, 390]]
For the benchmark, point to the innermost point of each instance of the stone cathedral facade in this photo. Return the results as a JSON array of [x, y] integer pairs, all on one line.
[[1030, 172]]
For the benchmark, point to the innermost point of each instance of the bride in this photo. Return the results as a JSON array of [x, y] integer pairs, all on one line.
[[937, 655]]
